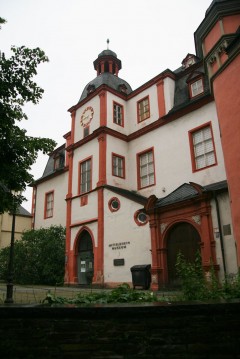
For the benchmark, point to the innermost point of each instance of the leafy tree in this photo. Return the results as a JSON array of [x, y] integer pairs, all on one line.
[[18, 150], [2, 21], [38, 257]]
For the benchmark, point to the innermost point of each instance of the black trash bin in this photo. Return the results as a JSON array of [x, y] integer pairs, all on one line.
[[141, 276]]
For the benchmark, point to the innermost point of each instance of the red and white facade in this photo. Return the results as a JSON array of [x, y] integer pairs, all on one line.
[[145, 173]]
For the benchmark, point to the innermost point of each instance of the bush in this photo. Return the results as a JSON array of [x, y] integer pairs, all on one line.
[[195, 285], [121, 294], [231, 286], [38, 257]]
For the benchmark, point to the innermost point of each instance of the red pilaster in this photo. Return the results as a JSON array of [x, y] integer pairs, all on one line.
[[103, 108], [68, 253], [100, 250], [73, 115], [110, 66], [154, 248], [161, 98], [102, 177]]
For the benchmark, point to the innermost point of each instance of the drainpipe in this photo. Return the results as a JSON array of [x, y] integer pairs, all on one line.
[[220, 231]]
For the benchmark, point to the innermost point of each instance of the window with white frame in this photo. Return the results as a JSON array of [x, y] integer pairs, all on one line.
[[118, 114], [85, 176], [143, 109], [203, 148], [49, 204], [118, 166], [196, 88], [146, 169]]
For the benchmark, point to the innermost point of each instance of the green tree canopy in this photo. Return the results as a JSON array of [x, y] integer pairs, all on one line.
[[18, 150], [39, 257]]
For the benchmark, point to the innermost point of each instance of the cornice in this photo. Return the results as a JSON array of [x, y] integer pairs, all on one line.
[[94, 94], [153, 81], [54, 174]]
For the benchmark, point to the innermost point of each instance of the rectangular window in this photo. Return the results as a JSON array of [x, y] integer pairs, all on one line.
[[203, 151], [85, 176], [85, 131], [118, 166], [59, 162], [48, 205], [143, 109], [118, 114], [196, 87], [146, 172]]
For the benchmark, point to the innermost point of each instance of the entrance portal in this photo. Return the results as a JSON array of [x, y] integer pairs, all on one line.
[[85, 260], [184, 238]]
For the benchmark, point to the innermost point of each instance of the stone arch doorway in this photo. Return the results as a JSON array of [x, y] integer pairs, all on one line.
[[182, 237], [85, 259]]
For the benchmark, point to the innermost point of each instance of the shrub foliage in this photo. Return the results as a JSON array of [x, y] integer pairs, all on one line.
[[198, 285], [121, 294], [38, 257]]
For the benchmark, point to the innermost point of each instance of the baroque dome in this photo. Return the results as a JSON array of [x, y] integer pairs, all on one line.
[[106, 78]]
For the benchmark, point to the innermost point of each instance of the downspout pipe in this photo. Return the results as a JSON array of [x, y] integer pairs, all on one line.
[[220, 231]]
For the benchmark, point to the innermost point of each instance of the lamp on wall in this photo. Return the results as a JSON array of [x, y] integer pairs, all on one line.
[[9, 296]]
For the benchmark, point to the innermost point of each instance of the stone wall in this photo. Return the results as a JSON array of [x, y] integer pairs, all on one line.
[[164, 331]]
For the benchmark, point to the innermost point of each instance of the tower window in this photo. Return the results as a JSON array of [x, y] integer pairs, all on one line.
[[118, 166], [106, 67], [143, 109], [85, 131], [85, 176], [118, 114]]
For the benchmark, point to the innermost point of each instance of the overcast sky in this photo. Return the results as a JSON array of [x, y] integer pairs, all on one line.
[[147, 36]]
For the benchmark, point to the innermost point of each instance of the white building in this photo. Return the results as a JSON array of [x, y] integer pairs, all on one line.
[[141, 176]]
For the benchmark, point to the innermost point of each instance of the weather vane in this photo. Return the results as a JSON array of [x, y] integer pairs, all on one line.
[[108, 44]]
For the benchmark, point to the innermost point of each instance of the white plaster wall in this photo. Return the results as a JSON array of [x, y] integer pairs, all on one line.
[[228, 240], [94, 124], [169, 87], [87, 150], [120, 227], [87, 212], [132, 120], [57, 184], [173, 165]]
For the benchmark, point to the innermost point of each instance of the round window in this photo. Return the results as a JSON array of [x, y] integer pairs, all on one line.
[[141, 218], [114, 204]]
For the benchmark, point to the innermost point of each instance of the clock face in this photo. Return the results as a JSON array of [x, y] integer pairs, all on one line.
[[87, 116]]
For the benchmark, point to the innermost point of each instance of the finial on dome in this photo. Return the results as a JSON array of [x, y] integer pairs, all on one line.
[[108, 44]]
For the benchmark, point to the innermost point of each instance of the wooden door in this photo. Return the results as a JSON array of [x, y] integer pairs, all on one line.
[[184, 238]]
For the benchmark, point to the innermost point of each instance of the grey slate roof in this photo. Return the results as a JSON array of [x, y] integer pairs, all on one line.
[[187, 191], [107, 53], [23, 212], [106, 78], [218, 186], [181, 95], [49, 169], [126, 193]]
